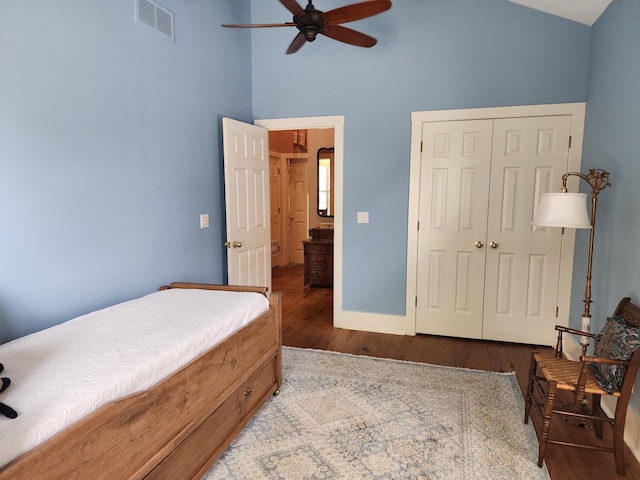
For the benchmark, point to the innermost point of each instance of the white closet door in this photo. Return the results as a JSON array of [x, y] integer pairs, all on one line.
[[455, 172], [483, 270], [522, 270]]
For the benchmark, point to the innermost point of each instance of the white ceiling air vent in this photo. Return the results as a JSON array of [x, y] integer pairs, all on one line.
[[156, 16]]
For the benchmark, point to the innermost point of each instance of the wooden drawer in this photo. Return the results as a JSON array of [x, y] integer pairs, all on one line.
[[317, 273], [313, 247], [312, 259], [221, 427]]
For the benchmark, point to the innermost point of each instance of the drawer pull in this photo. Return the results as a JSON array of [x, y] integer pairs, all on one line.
[[249, 392]]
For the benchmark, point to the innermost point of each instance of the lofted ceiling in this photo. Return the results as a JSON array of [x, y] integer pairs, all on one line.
[[582, 11]]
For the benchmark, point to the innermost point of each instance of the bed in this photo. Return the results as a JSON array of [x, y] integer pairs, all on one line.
[[174, 427]]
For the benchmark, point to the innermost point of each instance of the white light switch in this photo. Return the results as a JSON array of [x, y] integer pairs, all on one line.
[[204, 220], [363, 217]]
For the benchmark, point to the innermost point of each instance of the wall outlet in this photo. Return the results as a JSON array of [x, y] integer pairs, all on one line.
[[204, 220], [363, 217]]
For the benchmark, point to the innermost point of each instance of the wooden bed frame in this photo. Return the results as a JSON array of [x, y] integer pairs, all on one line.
[[178, 428]]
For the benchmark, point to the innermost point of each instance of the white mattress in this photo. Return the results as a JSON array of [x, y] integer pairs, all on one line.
[[62, 374]]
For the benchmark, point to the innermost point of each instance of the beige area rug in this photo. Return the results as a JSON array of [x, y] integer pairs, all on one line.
[[351, 417]]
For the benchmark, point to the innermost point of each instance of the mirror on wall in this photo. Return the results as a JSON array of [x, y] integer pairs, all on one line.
[[325, 182]]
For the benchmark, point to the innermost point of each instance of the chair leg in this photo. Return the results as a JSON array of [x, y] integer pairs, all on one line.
[[596, 410], [529, 396], [618, 448], [618, 437], [546, 422]]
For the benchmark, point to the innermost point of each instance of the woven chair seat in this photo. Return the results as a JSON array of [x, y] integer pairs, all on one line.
[[566, 373]]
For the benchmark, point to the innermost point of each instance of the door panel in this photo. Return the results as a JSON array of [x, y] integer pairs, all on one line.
[[275, 200], [298, 206], [456, 162], [246, 170], [529, 157]]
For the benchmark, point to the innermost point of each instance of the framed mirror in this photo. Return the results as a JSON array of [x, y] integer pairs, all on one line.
[[325, 182]]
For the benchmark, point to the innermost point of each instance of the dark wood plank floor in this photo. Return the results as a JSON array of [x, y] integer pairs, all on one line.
[[308, 323]]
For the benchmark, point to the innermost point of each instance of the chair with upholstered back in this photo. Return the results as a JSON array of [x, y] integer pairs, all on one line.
[[610, 371]]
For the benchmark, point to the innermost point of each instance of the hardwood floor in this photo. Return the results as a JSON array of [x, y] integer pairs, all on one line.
[[308, 323]]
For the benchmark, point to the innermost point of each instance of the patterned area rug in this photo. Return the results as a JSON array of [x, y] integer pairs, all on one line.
[[351, 417]]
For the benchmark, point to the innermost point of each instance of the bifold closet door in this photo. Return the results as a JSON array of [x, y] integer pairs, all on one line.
[[454, 199], [483, 270], [530, 155]]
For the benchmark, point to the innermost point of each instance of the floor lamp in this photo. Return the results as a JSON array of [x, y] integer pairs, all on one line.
[[569, 210]]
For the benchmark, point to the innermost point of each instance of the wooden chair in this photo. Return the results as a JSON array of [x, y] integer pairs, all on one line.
[[548, 375]]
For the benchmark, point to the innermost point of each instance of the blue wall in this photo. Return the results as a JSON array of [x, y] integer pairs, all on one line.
[[110, 150], [431, 55], [110, 133], [612, 142]]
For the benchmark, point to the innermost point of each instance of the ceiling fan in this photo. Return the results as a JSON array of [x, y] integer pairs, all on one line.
[[310, 22]]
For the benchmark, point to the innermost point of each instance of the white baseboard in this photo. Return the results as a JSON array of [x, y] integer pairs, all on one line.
[[373, 322], [572, 350]]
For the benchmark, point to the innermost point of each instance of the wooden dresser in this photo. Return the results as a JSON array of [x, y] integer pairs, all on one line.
[[318, 257]]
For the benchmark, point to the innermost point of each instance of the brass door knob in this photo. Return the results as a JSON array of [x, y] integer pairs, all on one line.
[[236, 244], [493, 244], [227, 244], [479, 244]]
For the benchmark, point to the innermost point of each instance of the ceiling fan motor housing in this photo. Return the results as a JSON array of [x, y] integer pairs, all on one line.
[[310, 24]]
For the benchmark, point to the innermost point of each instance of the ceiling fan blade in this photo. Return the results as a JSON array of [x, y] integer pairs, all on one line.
[[296, 44], [293, 6], [258, 25], [356, 11], [347, 35]]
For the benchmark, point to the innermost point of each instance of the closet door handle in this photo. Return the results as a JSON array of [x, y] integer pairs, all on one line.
[[493, 244], [479, 244]]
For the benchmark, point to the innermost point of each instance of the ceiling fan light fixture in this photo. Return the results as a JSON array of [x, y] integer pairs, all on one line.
[[310, 32], [311, 22]]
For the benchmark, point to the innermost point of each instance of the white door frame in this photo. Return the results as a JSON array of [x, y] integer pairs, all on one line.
[[575, 110], [337, 123]]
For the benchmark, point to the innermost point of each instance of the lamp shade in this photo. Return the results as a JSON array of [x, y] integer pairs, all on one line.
[[568, 210]]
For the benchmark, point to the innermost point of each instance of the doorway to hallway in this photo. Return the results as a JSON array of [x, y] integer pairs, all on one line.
[[337, 124]]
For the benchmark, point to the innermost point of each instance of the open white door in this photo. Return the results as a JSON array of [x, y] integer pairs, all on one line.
[[246, 177]]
